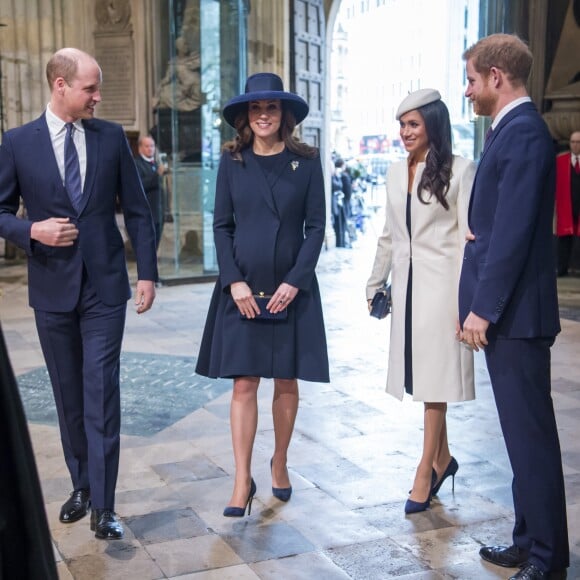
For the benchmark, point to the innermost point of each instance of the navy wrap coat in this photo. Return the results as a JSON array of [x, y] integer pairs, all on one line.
[[267, 233]]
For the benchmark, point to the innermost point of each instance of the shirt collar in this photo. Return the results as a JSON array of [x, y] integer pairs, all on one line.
[[56, 124], [509, 107]]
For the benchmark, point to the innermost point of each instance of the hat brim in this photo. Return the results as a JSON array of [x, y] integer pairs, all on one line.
[[416, 100], [296, 104]]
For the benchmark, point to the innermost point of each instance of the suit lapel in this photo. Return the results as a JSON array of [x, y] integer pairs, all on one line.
[[254, 168], [47, 152], [92, 142], [502, 125], [283, 161], [520, 109]]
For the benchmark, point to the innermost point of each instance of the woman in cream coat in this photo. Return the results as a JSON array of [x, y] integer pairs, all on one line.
[[421, 248]]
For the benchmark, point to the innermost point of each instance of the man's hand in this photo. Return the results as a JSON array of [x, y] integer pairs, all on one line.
[[474, 330], [469, 237], [56, 232], [145, 295]]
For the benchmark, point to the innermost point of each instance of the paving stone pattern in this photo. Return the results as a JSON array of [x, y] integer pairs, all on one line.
[[351, 462]]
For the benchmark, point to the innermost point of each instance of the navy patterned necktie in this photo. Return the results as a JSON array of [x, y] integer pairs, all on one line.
[[487, 139], [72, 168]]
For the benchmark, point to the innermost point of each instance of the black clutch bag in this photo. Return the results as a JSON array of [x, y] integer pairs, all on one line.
[[262, 301], [381, 302]]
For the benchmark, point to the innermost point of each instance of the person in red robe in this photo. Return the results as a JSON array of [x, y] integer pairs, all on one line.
[[568, 202]]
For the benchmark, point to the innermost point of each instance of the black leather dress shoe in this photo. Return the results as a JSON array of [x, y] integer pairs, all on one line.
[[532, 572], [507, 556], [106, 525], [76, 506]]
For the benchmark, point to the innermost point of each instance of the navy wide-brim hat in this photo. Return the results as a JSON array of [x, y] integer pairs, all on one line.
[[262, 87]]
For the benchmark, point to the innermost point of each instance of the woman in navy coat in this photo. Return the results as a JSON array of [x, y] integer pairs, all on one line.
[[265, 317]]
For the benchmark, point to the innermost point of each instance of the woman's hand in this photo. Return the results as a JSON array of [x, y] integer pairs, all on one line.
[[244, 299], [282, 298]]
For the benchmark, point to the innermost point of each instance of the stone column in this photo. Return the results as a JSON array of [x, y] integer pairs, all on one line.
[[537, 26], [266, 38]]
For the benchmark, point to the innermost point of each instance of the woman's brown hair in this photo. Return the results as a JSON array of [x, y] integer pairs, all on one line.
[[245, 136]]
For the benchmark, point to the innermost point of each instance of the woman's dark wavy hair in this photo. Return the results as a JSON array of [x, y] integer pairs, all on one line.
[[437, 174], [245, 136]]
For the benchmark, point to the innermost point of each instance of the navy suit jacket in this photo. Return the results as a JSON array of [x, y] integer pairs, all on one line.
[[28, 170], [508, 275]]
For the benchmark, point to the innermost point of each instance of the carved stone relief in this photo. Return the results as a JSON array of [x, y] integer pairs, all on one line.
[[563, 88], [115, 52], [113, 15]]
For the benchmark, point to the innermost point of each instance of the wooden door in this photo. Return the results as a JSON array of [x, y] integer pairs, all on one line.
[[307, 65]]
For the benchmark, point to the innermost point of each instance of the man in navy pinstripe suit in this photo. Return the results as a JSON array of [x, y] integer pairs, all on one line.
[[508, 299], [77, 276]]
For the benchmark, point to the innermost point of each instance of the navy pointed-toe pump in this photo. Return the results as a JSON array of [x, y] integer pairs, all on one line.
[[281, 493], [451, 470], [240, 512]]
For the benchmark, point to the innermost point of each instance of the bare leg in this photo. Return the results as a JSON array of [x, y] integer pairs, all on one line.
[[442, 453], [284, 410], [434, 419], [243, 422]]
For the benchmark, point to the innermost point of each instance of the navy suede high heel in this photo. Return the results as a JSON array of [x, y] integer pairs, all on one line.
[[451, 470], [240, 512], [281, 493], [413, 507]]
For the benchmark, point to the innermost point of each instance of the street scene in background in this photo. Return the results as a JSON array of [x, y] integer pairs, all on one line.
[[382, 51]]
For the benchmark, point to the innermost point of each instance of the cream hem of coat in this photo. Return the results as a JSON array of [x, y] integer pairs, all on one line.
[[442, 367]]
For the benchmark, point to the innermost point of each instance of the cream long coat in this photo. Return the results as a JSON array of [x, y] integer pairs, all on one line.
[[442, 367]]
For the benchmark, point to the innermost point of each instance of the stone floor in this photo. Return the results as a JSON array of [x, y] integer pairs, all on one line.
[[351, 461]]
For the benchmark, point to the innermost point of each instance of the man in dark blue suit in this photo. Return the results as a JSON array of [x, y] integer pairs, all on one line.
[[69, 169], [508, 299]]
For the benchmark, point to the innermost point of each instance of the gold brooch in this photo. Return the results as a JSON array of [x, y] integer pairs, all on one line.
[[295, 164]]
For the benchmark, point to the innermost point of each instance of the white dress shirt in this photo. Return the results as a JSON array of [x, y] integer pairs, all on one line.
[[57, 130], [507, 109]]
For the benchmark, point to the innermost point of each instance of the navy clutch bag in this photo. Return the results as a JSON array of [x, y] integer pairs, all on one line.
[[381, 302], [262, 301]]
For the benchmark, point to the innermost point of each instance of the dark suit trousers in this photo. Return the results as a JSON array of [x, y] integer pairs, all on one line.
[[520, 376], [82, 350]]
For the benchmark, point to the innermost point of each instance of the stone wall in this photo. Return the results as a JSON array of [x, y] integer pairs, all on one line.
[[113, 31], [33, 30]]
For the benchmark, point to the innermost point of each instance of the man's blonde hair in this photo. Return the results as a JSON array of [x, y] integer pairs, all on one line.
[[506, 52], [65, 63]]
